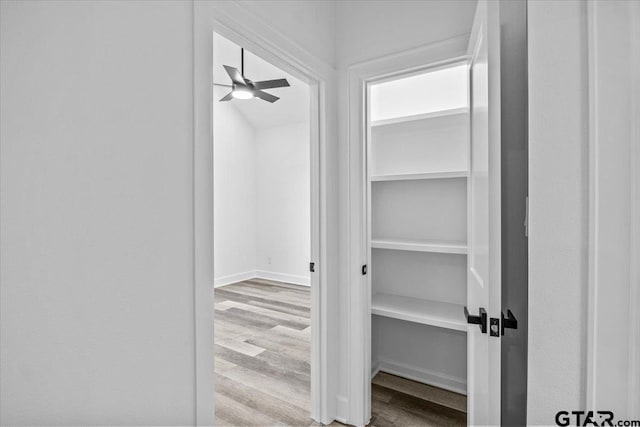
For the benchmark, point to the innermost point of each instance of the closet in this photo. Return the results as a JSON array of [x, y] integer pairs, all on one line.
[[417, 172]]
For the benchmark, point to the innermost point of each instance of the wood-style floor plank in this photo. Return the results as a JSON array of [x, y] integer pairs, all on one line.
[[280, 410], [239, 414], [240, 346], [423, 391], [263, 366], [224, 293]]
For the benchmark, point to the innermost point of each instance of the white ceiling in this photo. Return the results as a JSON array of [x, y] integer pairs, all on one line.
[[293, 105]]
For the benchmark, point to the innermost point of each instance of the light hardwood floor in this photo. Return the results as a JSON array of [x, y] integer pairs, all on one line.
[[262, 365]]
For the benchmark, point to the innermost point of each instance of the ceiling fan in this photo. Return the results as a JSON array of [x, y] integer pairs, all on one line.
[[243, 88]]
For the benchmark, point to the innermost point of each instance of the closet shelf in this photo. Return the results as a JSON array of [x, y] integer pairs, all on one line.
[[426, 312], [419, 117], [419, 176], [441, 247]]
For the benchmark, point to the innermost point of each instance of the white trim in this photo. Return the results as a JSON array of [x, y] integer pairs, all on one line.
[[607, 175], [262, 274], [426, 376], [634, 321], [283, 277], [375, 370], [239, 24], [342, 409], [203, 222], [234, 278], [592, 291], [358, 298]]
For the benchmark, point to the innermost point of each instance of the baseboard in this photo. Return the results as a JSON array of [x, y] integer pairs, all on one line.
[[374, 370], [261, 274], [436, 379], [234, 278], [283, 277], [342, 409]]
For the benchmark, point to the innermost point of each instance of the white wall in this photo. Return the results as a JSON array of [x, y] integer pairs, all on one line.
[[371, 29], [283, 203], [97, 323], [261, 200], [309, 23], [234, 202], [558, 165]]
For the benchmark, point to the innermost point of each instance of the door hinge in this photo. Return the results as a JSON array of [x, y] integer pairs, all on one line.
[[364, 269], [312, 267]]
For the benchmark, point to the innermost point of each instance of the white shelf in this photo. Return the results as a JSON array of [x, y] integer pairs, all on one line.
[[426, 312], [419, 117], [420, 246], [419, 176]]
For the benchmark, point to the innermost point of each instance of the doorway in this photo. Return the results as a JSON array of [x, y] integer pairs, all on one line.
[[445, 296], [266, 241], [417, 172]]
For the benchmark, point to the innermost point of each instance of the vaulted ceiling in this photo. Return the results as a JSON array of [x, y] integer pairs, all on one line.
[[293, 105]]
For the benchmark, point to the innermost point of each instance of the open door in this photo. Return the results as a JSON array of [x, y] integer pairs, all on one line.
[[484, 226]]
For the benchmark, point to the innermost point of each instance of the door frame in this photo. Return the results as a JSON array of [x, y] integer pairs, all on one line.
[[359, 76], [613, 292], [236, 23]]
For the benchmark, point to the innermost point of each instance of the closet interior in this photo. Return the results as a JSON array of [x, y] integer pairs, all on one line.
[[417, 170]]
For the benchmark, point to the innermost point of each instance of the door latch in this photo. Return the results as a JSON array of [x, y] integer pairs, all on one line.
[[364, 270], [494, 327], [510, 322], [481, 319], [312, 267]]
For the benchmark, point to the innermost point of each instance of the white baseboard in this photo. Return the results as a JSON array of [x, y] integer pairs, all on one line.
[[283, 277], [374, 370], [436, 379], [261, 274], [342, 409], [234, 278]]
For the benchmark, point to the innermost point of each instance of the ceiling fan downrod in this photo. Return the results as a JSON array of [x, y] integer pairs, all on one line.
[[242, 61]]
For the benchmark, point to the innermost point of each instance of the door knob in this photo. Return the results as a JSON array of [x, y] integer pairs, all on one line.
[[480, 320]]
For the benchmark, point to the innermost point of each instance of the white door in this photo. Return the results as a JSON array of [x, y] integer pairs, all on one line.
[[484, 278]]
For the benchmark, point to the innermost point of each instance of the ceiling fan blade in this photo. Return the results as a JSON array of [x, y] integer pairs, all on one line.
[[271, 84], [265, 96], [227, 97], [218, 84], [235, 75]]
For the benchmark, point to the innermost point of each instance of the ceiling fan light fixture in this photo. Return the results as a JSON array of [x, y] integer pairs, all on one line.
[[243, 88], [242, 93]]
